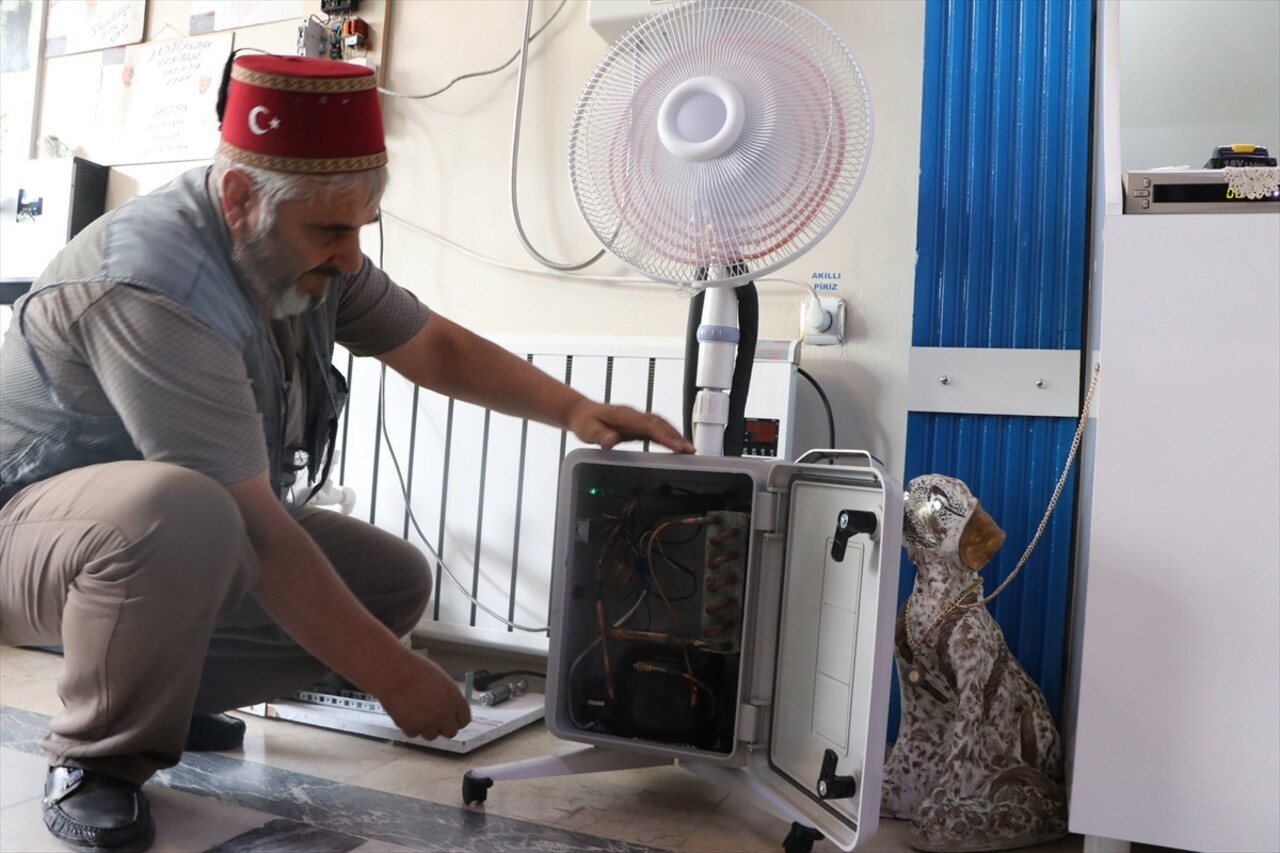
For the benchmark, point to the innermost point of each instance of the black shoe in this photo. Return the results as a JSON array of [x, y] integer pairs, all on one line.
[[214, 733], [90, 811]]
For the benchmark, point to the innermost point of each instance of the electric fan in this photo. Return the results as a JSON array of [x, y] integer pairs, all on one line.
[[716, 142]]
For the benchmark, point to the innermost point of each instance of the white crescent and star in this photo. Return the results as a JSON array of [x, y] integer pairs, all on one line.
[[258, 129]]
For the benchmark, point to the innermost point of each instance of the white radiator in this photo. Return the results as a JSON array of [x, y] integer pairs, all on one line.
[[482, 486]]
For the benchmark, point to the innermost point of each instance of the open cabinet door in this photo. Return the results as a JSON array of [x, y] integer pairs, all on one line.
[[834, 644]]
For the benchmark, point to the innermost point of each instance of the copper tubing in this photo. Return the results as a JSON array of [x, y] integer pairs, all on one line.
[[723, 537], [663, 638], [716, 606], [631, 635], [604, 647], [716, 584], [719, 628], [719, 560]]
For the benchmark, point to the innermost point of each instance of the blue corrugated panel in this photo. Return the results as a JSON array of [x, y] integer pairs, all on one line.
[[1002, 240], [1004, 174]]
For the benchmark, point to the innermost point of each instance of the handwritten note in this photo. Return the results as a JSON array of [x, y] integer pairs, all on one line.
[[210, 15], [158, 101], [76, 26]]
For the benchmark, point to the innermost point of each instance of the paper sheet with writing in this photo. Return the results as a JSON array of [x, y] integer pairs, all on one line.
[[210, 15], [76, 26], [157, 101]]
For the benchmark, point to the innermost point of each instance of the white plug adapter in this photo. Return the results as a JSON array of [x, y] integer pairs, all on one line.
[[824, 326]]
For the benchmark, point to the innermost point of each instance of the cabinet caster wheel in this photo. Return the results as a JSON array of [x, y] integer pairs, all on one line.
[[476, 788], [800, 839]]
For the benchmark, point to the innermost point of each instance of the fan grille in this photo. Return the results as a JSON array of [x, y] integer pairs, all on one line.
[[783, 183]]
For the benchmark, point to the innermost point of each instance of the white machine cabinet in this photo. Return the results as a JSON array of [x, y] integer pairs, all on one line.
[[730, 615]]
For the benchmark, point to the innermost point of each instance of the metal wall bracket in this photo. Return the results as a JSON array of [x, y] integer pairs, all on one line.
[[971, 380]]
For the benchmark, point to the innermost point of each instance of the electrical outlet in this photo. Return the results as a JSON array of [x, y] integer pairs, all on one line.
[[833, 335]]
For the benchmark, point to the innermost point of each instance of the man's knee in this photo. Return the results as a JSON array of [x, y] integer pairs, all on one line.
[[186, 526], [389, 575], [409, 576]]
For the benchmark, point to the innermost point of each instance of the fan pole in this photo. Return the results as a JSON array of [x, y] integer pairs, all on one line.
[[718, 337]]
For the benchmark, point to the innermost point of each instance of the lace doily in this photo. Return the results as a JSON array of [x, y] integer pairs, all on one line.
[[1252, 181]]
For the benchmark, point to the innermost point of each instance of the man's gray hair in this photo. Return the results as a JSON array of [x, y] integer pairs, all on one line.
[[275, 188]]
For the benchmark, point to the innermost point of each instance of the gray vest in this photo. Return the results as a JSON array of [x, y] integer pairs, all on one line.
[[172, 242]]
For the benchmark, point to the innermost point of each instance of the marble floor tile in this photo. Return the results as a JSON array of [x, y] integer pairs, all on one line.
[[306, 803], [21, 777], [381, 847], [289, 836], [313, 751], [657, 807], [328, 790], [28, 679], [184, 822]]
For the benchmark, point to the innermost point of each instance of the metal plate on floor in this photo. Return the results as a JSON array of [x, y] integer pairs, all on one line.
[[488, 722]]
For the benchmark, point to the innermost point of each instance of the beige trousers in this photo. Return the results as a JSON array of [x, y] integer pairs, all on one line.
[[141, 570]]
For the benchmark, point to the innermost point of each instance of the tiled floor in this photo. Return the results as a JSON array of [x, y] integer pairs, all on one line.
[[297, 788]]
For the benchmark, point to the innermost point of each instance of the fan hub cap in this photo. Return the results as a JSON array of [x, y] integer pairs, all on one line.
[[701, 118]]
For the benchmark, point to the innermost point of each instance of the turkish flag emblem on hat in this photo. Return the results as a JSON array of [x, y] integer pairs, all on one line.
[[304, 115]]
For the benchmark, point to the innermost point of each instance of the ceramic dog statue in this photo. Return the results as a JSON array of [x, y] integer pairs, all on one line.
[[978, 762]]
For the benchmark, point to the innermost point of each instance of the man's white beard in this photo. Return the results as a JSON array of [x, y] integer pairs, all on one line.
[[267, 264], [293, 302]]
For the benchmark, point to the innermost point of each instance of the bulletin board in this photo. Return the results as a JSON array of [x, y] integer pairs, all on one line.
[[154, 102], [77, 26], [210, 15]]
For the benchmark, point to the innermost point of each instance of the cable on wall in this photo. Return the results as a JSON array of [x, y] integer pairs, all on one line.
[[392, 94], [831, 420], [584, 279], [556, 268], [404, 489], [515, 160], [404, 485]]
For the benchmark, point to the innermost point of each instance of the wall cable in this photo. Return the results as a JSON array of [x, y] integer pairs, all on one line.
[[554, 267], [404, 489], [392, 94], [404, 485], [831, 420], [638, 281], [515, 160]]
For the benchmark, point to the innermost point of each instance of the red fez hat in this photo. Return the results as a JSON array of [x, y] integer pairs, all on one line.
[[301, 114]]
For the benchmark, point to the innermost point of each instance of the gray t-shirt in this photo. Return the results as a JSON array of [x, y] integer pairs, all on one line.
[[181, 390]]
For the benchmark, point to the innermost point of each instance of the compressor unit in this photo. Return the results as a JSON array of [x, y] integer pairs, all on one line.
[[731, 615]]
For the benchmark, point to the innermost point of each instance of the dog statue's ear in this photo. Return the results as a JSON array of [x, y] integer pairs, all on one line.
[[981, 538]]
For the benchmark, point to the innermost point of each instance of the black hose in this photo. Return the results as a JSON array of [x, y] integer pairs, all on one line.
[[831, 420], [691, 356], [735, 431]]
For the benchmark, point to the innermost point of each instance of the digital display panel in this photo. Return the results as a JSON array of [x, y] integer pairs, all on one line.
[[1201, 194], [761, 437]]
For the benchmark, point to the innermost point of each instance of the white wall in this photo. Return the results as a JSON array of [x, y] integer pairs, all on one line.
[[450, 159], [450, 174], [1197, 75]]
